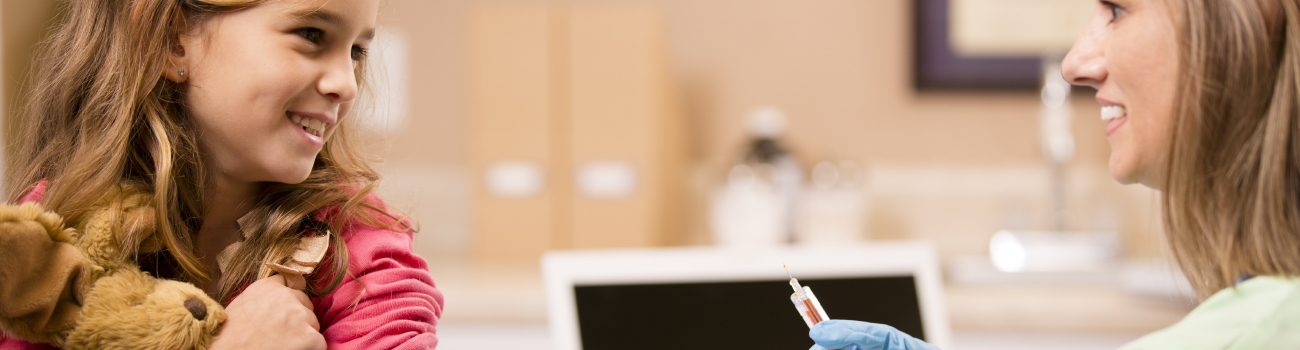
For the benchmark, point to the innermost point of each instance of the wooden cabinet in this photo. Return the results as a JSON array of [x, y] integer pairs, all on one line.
[[580, 91]]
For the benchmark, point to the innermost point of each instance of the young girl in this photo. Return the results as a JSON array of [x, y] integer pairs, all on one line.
[[1202, 102], [234, 114]]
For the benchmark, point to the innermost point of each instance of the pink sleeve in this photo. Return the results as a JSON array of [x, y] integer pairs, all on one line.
[[391, 304], [36, 194], [19, 344]]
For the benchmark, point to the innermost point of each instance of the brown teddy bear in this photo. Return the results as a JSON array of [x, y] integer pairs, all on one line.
[[75, 289]]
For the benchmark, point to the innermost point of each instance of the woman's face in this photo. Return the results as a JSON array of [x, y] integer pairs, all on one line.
[[270, 83], [1128, 53]]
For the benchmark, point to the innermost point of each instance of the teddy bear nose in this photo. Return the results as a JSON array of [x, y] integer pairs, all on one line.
[[196, 308]]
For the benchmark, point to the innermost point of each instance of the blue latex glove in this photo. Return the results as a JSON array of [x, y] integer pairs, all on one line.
[[858, 335]]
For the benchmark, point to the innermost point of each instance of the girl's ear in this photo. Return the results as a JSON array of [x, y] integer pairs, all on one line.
[[177, 69]]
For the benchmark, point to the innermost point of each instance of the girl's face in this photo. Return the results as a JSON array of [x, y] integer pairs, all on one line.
[[270, 83], [1129, 54]]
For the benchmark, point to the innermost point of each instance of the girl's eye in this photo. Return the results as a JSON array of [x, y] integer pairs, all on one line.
[[359, 53], [312, 35], [1115, 10]]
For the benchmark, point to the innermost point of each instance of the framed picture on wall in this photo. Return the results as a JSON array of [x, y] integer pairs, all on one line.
[[937, 66]]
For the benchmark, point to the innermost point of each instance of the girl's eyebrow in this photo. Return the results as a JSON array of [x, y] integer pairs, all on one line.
[[330, 18]]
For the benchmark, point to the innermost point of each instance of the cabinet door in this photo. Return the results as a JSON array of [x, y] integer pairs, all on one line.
[[511, 117], [621, 115], [570, 88]]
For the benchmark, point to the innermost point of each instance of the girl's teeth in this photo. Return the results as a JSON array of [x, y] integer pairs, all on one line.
[[311, 125], [1112, 112]]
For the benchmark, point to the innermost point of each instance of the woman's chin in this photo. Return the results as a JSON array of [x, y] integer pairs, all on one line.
[[1121, 171], [1127, 173]]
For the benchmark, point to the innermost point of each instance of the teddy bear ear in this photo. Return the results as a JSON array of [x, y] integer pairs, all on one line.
[[311, 250], [137, 229]]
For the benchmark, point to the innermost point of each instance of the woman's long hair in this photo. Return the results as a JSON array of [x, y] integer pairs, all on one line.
[[1232, 177], [100, 114]]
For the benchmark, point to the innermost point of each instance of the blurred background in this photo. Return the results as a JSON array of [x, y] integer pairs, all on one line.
[[512, 128]]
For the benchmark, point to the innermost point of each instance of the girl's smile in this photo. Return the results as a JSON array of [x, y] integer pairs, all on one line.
[[268, 85], [315, 126]]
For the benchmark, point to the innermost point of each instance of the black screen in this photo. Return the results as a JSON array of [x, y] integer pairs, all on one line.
[[734, 315]]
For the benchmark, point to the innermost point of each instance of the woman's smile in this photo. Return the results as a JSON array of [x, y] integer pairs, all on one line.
[[1114, 55], [1113, 114]]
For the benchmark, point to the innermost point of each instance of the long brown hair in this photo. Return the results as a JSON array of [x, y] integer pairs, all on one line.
[[1232, 178], [100, 115]]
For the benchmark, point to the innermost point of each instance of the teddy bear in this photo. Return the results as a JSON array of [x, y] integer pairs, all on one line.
[[97, 297]]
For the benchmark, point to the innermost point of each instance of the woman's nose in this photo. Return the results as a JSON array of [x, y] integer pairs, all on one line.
[[1086, 62], [339, 81]]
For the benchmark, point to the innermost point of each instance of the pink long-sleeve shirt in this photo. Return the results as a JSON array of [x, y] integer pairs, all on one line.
[[391, 304]]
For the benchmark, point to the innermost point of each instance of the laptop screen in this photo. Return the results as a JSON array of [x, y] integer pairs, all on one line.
[[734, 315]]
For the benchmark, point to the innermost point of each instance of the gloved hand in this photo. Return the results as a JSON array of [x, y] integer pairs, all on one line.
[[858, 335]]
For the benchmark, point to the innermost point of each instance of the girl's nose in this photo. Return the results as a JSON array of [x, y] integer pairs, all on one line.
[[339, 82]]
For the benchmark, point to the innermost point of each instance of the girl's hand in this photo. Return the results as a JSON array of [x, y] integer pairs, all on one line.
[[269, 315]]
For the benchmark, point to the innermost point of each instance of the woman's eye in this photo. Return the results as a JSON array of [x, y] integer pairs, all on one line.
[[312, 35], [1115, 10], [359, 53]]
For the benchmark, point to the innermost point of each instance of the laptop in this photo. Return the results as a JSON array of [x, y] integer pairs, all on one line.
[[737, 298]]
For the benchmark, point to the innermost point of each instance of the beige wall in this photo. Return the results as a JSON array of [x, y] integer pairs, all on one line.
[[22, 24], [841, 69]]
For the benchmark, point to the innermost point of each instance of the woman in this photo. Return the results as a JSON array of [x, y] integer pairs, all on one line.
[[234, 114], [1202, 102]]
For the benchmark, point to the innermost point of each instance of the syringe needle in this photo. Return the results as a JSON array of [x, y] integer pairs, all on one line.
[[794, 283]]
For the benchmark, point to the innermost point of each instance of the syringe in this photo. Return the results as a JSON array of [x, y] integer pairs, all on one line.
[[804, 301]]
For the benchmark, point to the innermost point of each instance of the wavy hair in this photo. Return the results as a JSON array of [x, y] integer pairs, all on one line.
[[100, 115], [1232, 179]]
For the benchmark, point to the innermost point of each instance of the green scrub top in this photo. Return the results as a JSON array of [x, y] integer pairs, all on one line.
[[1259, 313]]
